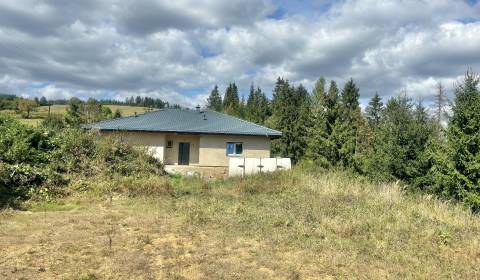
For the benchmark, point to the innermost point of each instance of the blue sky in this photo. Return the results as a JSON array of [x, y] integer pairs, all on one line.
[[178, 50]]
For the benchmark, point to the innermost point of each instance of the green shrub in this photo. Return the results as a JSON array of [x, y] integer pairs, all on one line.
[[42, 161]]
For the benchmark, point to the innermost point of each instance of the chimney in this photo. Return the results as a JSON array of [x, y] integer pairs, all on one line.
[[204, 117]]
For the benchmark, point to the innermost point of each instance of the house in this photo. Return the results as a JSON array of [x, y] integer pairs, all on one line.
[[181, 137]]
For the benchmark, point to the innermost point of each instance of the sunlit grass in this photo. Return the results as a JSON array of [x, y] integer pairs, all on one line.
[[41, 112], [290, 225]]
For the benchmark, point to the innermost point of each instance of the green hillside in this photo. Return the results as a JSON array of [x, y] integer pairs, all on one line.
[[41, 112]]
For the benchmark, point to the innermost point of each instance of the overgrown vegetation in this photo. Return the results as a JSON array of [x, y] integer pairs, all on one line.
[[302, 224], [396, 141], [44, 161]]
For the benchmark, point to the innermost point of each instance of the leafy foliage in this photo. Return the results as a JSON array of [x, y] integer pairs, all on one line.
[[34, 160]]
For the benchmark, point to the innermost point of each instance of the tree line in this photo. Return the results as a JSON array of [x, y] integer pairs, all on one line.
[[396, 139]]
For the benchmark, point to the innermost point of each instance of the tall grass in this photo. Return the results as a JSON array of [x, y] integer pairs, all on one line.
[[301, 224]]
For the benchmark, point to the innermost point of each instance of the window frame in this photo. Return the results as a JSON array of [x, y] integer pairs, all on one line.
[[235, 154], [171, 144]]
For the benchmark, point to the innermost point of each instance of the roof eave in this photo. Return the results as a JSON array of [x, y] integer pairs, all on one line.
[[271, 136]]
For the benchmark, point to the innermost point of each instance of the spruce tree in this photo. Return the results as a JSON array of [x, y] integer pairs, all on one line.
[[214, 101], [231, 100], [400, 145], [290, 115], [264, 106], [345, 128], [440, 102], [251, 113], [325, 105], [374, 110], [457, 173], [303, 123], [257, 106]]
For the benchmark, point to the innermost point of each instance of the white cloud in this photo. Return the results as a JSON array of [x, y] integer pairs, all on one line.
[[164, 48]]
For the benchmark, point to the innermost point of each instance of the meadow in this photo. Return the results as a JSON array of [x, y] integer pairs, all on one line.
[[41, 112], [302, 224]]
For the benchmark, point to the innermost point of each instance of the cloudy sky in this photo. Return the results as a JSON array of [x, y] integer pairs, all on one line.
[[177, 50]]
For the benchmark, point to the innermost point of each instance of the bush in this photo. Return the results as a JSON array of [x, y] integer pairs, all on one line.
[[44, 160]]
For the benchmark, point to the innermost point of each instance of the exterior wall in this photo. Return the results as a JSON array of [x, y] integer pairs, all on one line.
[[205, 150], [171, 154], [155, 142], [213, 148]]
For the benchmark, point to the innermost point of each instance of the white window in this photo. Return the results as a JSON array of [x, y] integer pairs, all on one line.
[[234, 148]]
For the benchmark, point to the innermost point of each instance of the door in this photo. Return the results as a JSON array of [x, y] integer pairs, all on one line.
[[183, 153]]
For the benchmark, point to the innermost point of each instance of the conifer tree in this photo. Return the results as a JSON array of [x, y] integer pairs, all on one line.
[[374, 110], [400, 145], [322, 147], [290, 114], [257, 106], [251, 106], [457, 173], [346, 126], [231, 100], [303, 123], [214, 101], [440, 103]]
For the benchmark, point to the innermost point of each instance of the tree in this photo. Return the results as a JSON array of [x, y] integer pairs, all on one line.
[[75, 115], [231, 100], [290, 115], [257, 106], [117, 114], [456, 174], [344, 132], [322, 147], [214, 101], [400, 147], [319, 95], [440, 103], [43, 101], [26, 106], [374, 110]]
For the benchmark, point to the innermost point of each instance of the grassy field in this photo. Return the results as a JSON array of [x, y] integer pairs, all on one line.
[[41, 112], [293, 225]]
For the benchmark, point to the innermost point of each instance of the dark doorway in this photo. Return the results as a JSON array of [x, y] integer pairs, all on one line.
[[183, 153]]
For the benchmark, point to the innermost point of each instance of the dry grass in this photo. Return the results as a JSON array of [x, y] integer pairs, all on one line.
[[282, 226]]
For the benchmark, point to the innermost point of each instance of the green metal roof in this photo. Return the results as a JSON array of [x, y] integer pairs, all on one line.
[[186, 122]]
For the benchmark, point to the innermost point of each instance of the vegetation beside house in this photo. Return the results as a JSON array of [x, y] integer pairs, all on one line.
[[396, 140], [43, 162]]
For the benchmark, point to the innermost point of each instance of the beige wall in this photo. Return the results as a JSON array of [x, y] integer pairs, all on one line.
[[213, 148], [205, 150], [154, 141], [171, 154]]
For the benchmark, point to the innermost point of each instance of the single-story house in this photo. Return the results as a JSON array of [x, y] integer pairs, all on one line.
[[192, 137]]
